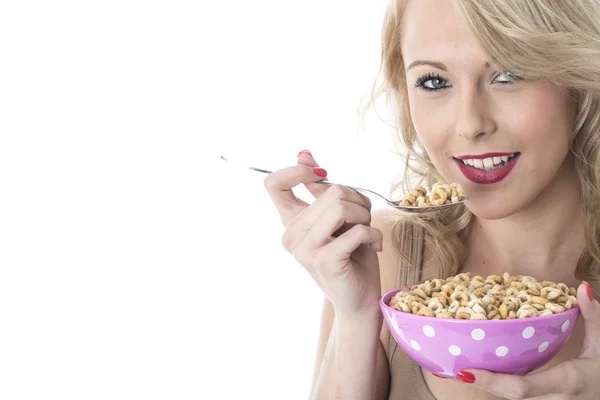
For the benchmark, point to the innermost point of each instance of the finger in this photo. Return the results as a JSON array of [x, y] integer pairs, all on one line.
[[306, 158], [338, 202], [332, 193], [342, 248], [590, 312], [279, 185], [563, 378], [340, 213], [337, 191]]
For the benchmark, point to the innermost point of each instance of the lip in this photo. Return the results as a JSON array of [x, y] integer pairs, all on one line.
[[486, 177], [482, 156]]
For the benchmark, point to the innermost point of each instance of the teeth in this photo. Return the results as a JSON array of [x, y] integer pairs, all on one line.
[[488, 163]]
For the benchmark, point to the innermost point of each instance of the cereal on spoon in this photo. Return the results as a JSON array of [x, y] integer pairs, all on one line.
[[440, 194]]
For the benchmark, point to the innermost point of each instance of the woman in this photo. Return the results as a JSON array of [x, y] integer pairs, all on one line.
[[502, 97]]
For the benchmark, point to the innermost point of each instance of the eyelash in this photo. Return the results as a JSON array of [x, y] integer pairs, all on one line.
[[429, 76]]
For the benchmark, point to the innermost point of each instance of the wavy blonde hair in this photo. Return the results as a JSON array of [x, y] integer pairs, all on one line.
[[554, 41]]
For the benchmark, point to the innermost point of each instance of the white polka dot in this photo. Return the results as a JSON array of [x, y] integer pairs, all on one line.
[[478, 334], [429, 331], [565, 326], [502, 351], [528, 332], [454, 350], [415, 345], [543, 347]]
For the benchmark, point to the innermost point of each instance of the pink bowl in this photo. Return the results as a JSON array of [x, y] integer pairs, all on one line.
[[447, 346]]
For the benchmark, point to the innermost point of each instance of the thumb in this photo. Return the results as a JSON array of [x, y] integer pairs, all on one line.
[[590, 311], [306, 158]]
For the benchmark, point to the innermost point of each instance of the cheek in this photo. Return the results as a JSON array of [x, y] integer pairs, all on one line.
[[431, 125], [542, 120]]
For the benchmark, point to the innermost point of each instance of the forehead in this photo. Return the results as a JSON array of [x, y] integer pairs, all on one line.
[[434, 30]]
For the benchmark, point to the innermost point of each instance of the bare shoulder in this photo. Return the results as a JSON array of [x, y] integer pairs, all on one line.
[[383, 219], [389, 260]]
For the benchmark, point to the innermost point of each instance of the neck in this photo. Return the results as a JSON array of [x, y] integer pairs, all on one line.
[[545, 239]]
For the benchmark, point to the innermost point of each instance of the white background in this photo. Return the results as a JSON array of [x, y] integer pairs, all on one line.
[[134, 263]]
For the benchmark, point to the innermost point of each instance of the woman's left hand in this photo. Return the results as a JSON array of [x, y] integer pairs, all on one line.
[[577, 378]]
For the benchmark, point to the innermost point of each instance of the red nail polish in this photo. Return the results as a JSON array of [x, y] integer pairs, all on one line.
[[588, 289], [439, 376], [304, 152], [320, 172], [465, 376]]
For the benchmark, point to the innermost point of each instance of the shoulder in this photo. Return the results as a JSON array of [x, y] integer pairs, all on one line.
[[385, 220], [389, 260]]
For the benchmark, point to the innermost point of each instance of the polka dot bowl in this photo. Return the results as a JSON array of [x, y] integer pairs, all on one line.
[[447, 346]]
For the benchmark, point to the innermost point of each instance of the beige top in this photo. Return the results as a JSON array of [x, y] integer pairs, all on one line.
[[407, 381]]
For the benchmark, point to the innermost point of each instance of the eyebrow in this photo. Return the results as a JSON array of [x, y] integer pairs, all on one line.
[[434, 64]]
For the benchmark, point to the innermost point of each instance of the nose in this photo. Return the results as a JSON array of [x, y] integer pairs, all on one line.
[[473, 117]]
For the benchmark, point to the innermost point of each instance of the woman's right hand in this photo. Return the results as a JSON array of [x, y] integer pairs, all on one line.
[[332, 237]]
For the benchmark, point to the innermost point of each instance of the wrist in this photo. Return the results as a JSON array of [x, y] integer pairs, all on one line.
[[370, 309], [365, 319]]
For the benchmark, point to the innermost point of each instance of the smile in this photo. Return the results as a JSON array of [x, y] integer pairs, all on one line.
[[489, 163], [487, 168]]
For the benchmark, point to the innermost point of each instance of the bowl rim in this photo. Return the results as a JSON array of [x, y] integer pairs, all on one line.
[[391, 293]]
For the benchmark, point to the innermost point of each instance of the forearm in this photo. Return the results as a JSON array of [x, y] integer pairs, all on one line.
[[349, 366]]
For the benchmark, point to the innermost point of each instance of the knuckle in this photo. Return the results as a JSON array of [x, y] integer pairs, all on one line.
[[361, 230], [300, 256], [270, 181], [286, 241], [337, 190], [339, 206], [368, 203], [378, 234], [368, 216], [521, 391]]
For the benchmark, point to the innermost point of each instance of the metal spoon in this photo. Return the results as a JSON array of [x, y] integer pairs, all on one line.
[[392, 203]]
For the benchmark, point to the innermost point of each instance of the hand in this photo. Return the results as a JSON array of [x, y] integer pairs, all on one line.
[[574, 379], [332, 237]]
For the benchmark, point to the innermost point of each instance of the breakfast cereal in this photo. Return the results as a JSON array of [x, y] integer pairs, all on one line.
[[492, 298]]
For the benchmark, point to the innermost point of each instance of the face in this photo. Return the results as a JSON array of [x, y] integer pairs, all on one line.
[[505, 144]]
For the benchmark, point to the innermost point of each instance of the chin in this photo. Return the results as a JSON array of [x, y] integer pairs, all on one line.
[[492, 210]]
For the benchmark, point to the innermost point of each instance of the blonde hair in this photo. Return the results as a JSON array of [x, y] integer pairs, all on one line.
[[554, 41]]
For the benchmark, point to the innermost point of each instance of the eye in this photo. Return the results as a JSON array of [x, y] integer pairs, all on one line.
[[432, 82], [507, 77]]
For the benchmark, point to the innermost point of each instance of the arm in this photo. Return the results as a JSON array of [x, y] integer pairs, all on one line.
[[357, 349], [351, 362]]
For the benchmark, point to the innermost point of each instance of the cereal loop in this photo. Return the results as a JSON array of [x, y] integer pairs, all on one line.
[[477, 298], [438, 197]]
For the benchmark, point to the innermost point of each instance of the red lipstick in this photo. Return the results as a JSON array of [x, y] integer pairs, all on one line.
[[486, 177]]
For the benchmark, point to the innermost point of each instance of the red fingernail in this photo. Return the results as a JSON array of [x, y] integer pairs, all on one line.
[[588, 289], [304, 152], [320, 172], [466, 377], [439, 376]]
